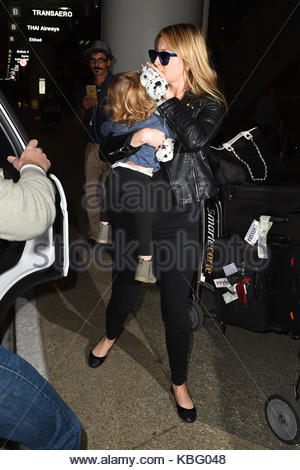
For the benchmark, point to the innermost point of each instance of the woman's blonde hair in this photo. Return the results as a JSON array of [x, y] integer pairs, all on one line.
[[187, 41], [128, 102]]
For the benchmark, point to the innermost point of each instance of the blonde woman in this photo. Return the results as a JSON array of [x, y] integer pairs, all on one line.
[[193, 109]]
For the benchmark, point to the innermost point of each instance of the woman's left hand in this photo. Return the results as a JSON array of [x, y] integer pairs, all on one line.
[[147, 135]]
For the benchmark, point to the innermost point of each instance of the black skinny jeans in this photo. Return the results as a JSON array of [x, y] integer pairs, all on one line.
[[130, 190], [175, 235]]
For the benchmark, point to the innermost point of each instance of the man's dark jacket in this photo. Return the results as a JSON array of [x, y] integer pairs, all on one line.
[[94, 117]]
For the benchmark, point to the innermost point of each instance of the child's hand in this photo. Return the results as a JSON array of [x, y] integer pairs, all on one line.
[[156, 86]]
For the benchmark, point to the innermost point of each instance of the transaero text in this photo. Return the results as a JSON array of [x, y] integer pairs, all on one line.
[[62, 14]]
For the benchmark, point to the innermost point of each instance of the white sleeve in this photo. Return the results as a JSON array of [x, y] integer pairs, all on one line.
[[30, 165], [27, 208]]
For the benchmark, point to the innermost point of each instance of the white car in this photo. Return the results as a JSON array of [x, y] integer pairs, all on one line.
[[25, 264]]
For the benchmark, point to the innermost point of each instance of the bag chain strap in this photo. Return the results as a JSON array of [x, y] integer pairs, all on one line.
[[249, 136]]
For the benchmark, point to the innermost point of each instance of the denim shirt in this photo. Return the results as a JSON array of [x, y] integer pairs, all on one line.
[[145, 156]]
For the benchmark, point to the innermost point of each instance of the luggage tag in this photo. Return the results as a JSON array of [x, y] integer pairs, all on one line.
[[230, 297], [241, 290], [222, 282], [235, 278], [238, 292], [229, 269], [251, 236], [233, 274], [265, 225]]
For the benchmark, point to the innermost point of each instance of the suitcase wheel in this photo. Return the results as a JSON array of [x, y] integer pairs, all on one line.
[[196, 314], [283, 417]]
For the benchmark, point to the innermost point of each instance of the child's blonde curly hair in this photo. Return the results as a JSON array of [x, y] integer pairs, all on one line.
[[128, 102]]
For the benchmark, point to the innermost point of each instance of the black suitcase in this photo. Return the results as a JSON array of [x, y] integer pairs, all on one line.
[[273, 292], [256, 313], [285, 264], [243, 203]]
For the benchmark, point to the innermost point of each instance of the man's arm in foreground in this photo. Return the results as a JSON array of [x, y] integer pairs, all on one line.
[[27, 208]]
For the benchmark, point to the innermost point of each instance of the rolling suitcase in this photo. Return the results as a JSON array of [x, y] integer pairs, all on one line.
[[244, 203], [272, 297], [254, 310], [286, 278]]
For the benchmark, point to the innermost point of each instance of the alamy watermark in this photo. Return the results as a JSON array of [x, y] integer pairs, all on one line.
[[180, 253], [133, 196]]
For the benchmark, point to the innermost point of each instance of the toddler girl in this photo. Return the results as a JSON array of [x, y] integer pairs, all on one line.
[[131, 109]]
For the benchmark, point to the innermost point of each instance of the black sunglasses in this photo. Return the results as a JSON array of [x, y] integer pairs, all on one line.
[[164, 56]]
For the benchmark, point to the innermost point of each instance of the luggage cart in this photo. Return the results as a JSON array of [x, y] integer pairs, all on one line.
[[210, 230], [282, 413]]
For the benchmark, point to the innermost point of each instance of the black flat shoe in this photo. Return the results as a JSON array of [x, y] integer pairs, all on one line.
[[187, 415], [95, 361]]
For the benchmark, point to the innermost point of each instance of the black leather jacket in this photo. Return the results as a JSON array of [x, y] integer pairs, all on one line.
[[195, 122]]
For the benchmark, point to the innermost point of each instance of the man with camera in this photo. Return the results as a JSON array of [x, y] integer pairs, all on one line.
[[90, 103]]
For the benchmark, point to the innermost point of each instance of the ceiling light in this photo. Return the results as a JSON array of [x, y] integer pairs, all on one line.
[[64, 8]]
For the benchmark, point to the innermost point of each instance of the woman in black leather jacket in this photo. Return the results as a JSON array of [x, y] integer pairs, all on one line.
[[193, 109]]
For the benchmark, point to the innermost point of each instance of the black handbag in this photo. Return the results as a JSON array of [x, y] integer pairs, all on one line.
[[245, 158]]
